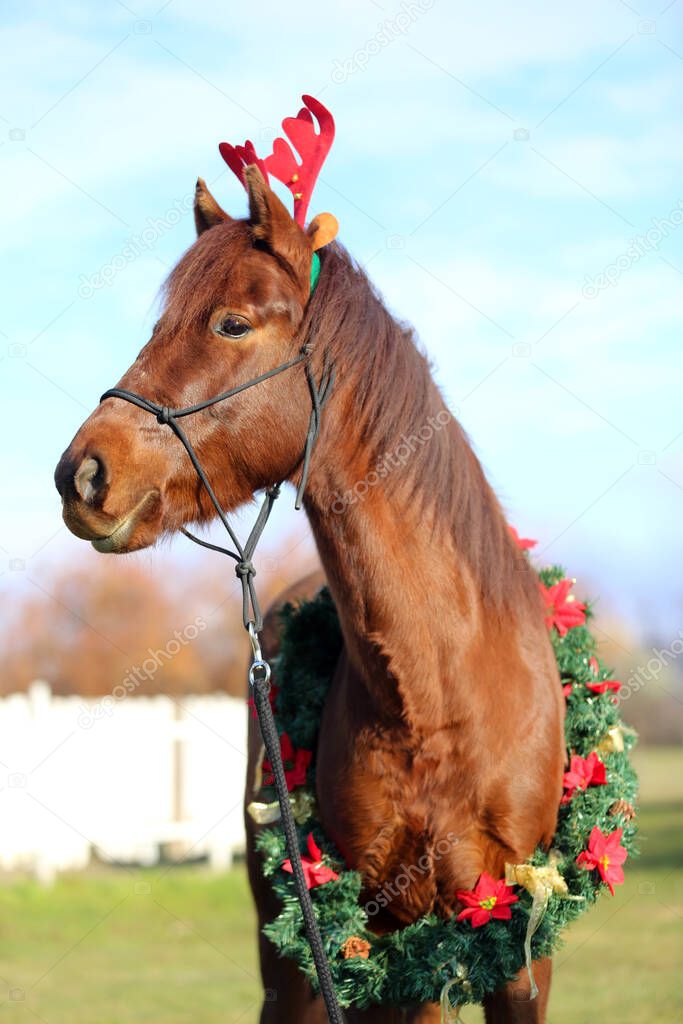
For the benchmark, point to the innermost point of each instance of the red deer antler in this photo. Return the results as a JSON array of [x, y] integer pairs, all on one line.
[[239, 157], [311, 146]]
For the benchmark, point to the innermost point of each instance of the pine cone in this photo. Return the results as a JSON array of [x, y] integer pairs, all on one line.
[[356, 947], [624, 808]]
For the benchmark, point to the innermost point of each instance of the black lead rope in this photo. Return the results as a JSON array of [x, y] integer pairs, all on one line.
[[259, 672]]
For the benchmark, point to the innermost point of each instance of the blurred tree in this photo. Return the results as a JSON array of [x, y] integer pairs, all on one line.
[[651, 673], [168, 628], [113, 621]]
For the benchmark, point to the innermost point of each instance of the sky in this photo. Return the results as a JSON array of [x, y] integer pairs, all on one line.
[[510, 176]]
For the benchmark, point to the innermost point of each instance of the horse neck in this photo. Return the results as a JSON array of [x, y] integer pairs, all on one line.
[[408, 596]]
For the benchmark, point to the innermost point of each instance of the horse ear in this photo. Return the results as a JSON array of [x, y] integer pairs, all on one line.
[[207, 212], [272, 224]]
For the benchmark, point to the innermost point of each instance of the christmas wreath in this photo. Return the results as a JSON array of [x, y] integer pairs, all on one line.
[[505, 923]]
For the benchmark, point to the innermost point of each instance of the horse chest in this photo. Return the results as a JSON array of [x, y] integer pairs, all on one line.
[[396, 813]]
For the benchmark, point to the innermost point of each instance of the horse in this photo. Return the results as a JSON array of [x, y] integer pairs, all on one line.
[[445, 713]]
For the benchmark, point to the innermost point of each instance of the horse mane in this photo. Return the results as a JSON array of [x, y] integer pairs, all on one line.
[[389, 383], [387, 377]]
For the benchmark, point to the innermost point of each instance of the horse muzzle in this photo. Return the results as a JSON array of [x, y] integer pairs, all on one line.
[[111, 535], [84, 489]]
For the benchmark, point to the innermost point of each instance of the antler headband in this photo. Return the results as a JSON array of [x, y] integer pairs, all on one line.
[[312, 147]]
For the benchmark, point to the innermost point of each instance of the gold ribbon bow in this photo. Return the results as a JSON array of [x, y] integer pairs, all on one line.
[[613, 740], [541, 883], [301, 800], [451, 1014]]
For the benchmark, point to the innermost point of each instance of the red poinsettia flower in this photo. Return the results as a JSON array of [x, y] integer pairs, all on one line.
[[296, 763], [583, 772], [315, 872], [562, 610], [523, 543], [489, 898], [604, 685], [567, 689], [601, 685], [605, 853]]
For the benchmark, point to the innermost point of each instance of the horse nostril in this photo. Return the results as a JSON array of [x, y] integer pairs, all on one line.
[[88, 479]]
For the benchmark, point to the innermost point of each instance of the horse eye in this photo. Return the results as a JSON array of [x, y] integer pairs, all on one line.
[[233, 327]]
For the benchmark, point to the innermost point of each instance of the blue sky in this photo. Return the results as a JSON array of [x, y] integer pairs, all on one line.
[[492, 167]]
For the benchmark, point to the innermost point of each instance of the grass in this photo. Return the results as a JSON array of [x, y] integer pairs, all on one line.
[[178, 946], [622, 961]]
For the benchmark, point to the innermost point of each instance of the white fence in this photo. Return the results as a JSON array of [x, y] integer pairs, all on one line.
[[124, 781]]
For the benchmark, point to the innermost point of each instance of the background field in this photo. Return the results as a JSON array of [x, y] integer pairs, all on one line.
[[177, 944]]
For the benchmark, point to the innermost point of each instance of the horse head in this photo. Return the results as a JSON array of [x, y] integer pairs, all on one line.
[[233, 309]]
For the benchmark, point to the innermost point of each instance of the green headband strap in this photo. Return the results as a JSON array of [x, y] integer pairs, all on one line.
[[315, 271]]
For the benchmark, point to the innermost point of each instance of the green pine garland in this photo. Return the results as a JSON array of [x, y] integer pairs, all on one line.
[[412, 965]]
